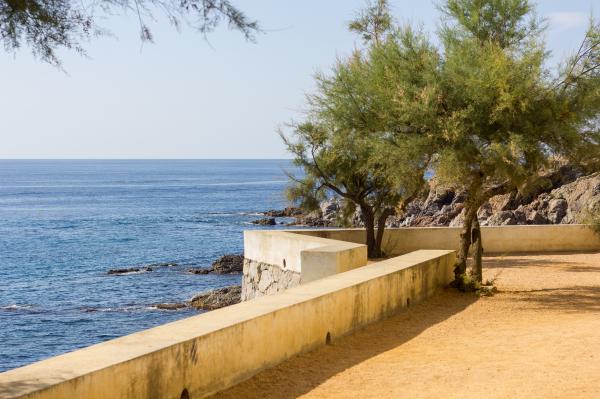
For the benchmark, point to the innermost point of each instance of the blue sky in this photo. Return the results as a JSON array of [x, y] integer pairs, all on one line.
[[184, 97]]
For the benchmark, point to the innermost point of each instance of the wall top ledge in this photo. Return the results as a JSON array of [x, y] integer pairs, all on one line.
[[47, 373]]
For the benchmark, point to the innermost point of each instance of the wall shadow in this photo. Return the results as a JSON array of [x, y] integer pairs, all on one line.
[[305, 372]]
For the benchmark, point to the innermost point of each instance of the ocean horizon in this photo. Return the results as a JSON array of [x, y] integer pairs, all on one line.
[[65, 223]]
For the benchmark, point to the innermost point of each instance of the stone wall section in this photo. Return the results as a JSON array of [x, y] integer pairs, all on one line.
[[263, 278]]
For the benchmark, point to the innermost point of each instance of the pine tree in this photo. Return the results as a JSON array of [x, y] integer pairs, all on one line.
[[504, 115]]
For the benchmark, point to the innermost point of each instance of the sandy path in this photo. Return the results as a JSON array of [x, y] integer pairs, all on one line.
[[538, 338]]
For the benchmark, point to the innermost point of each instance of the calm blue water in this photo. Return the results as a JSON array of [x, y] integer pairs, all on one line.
[[63, 224]]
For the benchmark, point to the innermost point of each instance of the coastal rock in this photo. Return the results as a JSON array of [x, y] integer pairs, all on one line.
[[228, 264], [330, 208], [217, 298], [129, 270], [170, 306], [265, 222], [199, 270], [290, 211], [565, 198], [557, 209]]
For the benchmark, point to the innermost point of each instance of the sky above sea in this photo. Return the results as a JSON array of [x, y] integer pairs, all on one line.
[[189, 97]]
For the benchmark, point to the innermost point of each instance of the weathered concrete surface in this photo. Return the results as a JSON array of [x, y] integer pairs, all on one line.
[[277, 260], [207, 353], [286, 249]]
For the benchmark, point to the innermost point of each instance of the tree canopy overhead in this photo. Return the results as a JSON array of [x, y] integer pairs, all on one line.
[[49, 25]]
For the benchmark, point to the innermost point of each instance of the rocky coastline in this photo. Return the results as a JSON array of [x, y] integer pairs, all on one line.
[[209, 300], [568, 199]]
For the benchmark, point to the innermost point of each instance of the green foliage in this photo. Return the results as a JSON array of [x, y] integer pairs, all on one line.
[[362, 139], [504, 117], [483, 110], [49, 25], [466, 283], [591, 217], [373, 22], [504, 22]]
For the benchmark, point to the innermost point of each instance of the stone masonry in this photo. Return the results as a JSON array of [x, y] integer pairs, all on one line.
[[264, 278]]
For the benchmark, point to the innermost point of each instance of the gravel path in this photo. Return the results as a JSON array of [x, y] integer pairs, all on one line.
[[539, 337]]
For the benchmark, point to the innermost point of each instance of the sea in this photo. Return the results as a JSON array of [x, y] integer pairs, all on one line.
[[65, 223]]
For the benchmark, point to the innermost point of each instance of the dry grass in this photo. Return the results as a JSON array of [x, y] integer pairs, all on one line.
[[539, 337]]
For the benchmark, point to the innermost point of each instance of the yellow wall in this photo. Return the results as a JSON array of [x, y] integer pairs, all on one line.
[[215, 350], [496, 239], [311, 256]]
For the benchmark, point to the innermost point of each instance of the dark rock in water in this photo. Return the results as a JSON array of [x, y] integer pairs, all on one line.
[[228, 264], [218, 298], [163, 264], [265, 222], [201, 270], [124, 271], [170, 306], [129, 270], [290, 211]]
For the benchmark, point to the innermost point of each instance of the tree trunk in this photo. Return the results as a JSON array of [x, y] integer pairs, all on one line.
[[369, 220], [460, 267], [477, 271], [377, 251]]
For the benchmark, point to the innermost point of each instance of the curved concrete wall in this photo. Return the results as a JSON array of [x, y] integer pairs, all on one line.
[[311, 256], [496, 239]]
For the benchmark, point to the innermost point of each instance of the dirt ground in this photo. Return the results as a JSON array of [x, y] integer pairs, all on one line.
[[539, 337]]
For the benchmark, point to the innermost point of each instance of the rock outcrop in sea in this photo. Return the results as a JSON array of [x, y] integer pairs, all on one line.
[[217, 298], [129, 270], [265, 222], [226, 264]]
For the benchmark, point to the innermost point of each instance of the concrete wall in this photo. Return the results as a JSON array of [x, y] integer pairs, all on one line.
[[207, 353], [496, 239], [314, 254], [276, 260]]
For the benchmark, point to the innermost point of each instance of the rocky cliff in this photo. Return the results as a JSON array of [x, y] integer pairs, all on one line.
[[567, 198]]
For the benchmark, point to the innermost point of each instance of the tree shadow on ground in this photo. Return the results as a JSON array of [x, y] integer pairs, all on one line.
[[568, 299], [305, 372], [518, 261]]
